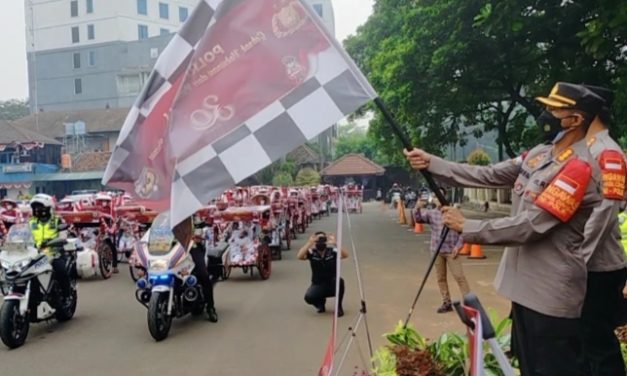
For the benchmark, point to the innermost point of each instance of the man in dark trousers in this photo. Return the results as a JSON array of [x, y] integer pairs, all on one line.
[[322, 255], [543, 270]]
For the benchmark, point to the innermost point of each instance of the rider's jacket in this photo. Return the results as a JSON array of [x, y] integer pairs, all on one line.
[[43, 231]]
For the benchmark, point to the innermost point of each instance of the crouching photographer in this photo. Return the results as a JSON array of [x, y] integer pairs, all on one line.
[[322, 252]]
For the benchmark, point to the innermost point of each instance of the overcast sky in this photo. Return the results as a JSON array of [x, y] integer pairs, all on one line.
[[349, 14]]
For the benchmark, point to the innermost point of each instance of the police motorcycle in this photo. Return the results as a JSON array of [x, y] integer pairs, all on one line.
[[170, 289], [30, 292]]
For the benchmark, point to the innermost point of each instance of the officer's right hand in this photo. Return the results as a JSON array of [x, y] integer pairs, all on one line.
[[418, 158]]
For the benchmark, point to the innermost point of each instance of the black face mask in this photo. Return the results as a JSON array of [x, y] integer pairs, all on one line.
[[550, 126], [321, 246]]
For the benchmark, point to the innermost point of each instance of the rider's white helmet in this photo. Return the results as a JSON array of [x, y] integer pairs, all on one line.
[[43, 199]]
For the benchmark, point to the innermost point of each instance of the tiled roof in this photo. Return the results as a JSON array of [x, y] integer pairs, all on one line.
[[91, 161], [10, 133], [304, 154], [353, 164], [52, 124]]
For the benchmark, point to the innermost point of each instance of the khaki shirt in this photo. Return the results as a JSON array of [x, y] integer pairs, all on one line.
[[542, 267], [602, 247]]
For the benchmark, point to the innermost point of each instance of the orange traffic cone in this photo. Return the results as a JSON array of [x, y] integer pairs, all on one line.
[[465, 250], [418, 228], [476, 252]]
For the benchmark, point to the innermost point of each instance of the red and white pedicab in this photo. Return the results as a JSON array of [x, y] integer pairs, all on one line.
[[249, 248], [354, 197]]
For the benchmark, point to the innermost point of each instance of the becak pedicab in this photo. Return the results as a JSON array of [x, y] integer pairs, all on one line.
[[270, 226], [248, 248], [315, 204], [280, 211], [334, 199], [10, 214], [354, 199], [94, 227], [325, 200]]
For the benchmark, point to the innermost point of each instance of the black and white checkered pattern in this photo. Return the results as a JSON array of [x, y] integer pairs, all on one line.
[[334, 90]]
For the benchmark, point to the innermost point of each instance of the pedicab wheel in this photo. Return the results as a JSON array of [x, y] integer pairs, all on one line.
[[227, 272], [245, 269], [264, 262], [158, 320], [135, 271], [105, 258], [302, 228], [288, 240], [13, 326]]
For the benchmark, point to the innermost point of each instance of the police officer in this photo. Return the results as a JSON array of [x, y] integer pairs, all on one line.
[[603, 251], [44, 226], [199, 254], [543, 272], [322, 258]]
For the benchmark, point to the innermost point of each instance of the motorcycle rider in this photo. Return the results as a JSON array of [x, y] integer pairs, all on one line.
[[44, 226], [198, 253]]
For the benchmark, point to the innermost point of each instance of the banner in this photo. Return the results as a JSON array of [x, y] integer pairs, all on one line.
[[242, 83]]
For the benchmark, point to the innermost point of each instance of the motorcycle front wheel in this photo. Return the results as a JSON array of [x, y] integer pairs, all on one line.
[[159, 321], [13, 326], [68, 307]]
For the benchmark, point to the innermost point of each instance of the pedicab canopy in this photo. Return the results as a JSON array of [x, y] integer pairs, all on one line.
[[206, 121]]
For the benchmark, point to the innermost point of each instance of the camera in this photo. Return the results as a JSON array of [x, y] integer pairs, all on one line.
[[321, 239]]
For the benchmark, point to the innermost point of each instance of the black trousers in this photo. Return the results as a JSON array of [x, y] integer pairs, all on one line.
[[317, 294], [200, 271], [61, 274], [546, 345], [599, 318]]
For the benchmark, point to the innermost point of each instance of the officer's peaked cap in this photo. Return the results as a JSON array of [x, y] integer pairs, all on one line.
[[570, 96]]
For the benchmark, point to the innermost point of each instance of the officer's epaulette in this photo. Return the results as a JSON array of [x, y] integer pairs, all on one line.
[[591, 141], [565, 155]]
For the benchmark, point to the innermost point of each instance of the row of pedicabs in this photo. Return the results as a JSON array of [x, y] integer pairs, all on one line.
[[247, 227]]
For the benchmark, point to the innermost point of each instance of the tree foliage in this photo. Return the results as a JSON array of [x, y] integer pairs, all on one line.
[[13, 109], [478, 157], [445, 66], [282, 179], [307, 176]]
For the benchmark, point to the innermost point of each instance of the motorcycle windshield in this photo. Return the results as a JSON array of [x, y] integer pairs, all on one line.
[[19, 238], [161, 238]]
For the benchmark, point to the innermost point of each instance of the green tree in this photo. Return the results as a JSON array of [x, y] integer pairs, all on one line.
[[443, 66], [307, 176], [478, 157], [282, 179], [266, 175], [13, 109]]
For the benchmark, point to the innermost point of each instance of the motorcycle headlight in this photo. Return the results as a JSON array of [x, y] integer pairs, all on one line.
[[158, 265]]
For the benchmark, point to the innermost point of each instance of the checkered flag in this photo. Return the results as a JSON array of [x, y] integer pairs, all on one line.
[[243, 83]]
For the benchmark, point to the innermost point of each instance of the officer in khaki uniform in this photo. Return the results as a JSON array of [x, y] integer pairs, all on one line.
[[543, 271], [603, 251]]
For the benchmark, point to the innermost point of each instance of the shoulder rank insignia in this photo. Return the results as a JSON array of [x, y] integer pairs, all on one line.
[[591, 141], [613, 173], [565, 155], [564, 194]]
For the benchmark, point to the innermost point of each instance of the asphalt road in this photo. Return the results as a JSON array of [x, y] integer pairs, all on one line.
[[265, 328]]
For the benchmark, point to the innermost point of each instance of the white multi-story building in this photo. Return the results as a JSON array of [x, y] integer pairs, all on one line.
[[89, 54]]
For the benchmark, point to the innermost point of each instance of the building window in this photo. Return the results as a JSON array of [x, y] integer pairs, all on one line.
[[90, 6], [76, 59], [78, 86], [163, 31], [318, 9], [183, 14], [91, 58], [164, 11], [131, 84], [142, 7], [74, 8], [75, 35], [91, 33], [142, 31]]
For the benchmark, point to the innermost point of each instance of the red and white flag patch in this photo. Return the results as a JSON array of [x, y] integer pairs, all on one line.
[[613, 173], [565, 193]]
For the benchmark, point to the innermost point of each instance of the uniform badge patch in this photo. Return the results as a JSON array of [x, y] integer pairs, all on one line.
[[564, 194], [613, 172]]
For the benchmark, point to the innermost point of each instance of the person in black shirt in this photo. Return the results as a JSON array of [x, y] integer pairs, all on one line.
[[322, 256]]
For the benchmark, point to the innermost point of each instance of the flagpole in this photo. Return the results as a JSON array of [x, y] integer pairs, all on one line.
[[432, 185]]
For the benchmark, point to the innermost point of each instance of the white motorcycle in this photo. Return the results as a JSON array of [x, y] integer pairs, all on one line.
[[170, 289], [31, 294]]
